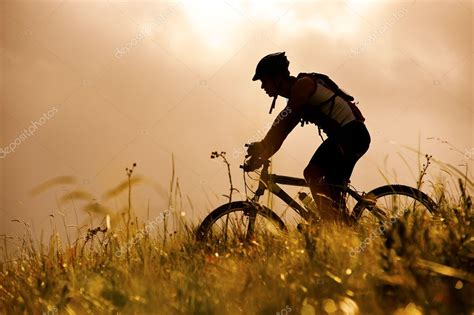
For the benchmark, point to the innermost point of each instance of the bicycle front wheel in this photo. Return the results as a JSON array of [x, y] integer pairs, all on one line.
[[392, 202], [238, 222]]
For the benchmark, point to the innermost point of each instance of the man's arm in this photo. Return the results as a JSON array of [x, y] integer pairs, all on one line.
[[289, 117]]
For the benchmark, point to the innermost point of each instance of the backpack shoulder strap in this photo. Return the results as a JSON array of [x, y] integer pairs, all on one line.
[[332, 85]]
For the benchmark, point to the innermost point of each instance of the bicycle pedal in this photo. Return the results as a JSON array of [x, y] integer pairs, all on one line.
[[305, 227], [301, 226]]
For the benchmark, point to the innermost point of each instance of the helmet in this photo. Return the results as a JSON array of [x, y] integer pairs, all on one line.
[[271, 65]]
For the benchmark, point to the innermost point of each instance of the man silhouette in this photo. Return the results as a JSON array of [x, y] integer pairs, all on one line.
[[313, 98]]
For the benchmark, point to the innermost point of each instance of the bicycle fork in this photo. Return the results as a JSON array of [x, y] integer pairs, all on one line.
[[251, 227]]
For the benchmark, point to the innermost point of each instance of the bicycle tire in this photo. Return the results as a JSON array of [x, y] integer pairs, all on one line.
[[393, 190], [207, 225]]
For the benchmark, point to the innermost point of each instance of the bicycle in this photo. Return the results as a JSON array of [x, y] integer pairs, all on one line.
[[243, 220]]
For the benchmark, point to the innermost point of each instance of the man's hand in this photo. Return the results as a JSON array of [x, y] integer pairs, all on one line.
[[255, 149], [252, 164]]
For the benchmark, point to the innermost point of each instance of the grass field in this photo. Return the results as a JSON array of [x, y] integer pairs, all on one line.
[[420, 265]]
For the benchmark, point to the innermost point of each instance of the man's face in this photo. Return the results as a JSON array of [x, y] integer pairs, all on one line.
[[269, 86]]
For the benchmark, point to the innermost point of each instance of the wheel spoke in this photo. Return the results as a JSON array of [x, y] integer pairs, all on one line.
[[392, 202], [237, 225]]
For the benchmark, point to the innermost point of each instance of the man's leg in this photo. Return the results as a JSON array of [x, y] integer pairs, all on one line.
[[354, 141], [321, 192]]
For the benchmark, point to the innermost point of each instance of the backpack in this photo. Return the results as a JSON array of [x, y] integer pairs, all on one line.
[[330, 84]]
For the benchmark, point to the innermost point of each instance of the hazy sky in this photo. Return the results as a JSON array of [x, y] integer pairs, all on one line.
[[98, 85]]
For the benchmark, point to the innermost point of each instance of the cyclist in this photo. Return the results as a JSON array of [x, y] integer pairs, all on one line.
[[313, 98]]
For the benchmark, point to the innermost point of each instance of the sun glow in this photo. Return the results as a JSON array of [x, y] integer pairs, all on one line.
[[222, 25], [218, 22], [363, 5], [212, 20]]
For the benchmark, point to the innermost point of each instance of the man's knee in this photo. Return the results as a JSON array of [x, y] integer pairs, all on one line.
[[313, 173]]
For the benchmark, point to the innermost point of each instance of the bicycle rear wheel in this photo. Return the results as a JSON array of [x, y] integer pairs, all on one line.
[[391, 202], [236, 223]]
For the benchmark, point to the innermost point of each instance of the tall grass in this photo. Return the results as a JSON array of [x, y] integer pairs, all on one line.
[[421, 265]]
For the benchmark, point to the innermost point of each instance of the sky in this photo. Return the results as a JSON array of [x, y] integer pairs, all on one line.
[[90, 87]]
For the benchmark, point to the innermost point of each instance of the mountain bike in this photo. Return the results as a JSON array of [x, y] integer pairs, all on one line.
[[243, 221]]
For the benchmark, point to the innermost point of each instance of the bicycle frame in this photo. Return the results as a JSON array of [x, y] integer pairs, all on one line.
[[251, 207], [270, 182]]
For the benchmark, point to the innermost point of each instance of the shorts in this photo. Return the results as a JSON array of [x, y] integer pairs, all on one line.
[[338, 154]]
